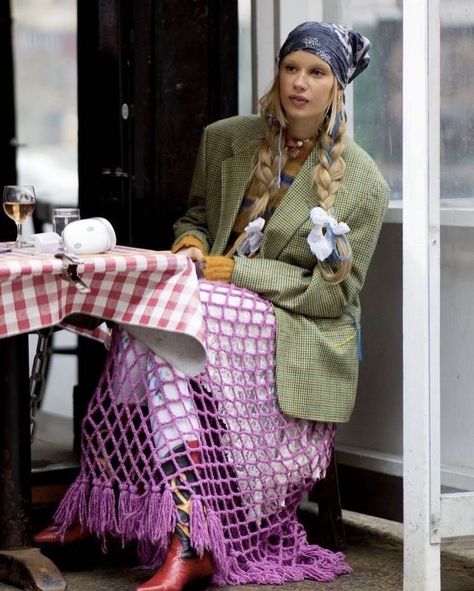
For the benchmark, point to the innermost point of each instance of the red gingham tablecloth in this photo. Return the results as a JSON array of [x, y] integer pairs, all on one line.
[[154, 291]]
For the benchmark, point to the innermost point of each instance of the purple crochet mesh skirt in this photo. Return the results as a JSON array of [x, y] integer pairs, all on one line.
[[254, 464]]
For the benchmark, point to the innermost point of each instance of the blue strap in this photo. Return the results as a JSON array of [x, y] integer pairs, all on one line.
[[360, 354]]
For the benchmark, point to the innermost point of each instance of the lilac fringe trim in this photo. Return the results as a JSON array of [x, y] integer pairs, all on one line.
[[207, 535], [129, 509], [151, 518], [314, 563], [73, 507], [200, 537]]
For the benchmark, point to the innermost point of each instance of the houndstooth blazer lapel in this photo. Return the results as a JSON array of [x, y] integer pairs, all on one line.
[[236, 173]]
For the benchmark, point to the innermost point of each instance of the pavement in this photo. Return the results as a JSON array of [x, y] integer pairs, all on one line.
[[373, 549]]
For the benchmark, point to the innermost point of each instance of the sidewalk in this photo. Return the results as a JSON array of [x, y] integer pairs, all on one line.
[[374, 550]]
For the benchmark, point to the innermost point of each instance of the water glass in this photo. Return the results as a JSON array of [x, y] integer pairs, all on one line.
[[62, 216]]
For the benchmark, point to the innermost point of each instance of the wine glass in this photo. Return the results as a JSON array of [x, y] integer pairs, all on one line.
[[19, 203]]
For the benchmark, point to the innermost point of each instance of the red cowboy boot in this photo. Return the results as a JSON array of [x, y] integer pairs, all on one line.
[[51, 535], [182, 565], [178, 570]]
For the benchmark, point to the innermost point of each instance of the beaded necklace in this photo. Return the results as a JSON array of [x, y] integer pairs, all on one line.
[[294, 146]]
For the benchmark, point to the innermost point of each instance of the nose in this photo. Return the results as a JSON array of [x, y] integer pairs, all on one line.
[[300, 80]]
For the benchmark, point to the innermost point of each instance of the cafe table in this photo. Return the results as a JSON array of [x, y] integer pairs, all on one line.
[[153, 295]]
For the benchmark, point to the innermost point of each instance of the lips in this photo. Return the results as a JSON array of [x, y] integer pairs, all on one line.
[[298, 99]]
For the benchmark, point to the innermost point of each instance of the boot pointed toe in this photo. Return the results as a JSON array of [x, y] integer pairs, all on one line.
[[52, 535]]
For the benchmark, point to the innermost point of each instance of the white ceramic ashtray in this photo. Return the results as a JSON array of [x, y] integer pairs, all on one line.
[[89, 236]]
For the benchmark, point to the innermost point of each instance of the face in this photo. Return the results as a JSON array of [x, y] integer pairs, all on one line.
[[306, 85]]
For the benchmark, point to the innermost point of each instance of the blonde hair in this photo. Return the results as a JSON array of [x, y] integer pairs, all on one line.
[[327, 173]]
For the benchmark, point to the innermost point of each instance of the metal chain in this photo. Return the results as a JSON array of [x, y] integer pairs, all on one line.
[[38, 376]]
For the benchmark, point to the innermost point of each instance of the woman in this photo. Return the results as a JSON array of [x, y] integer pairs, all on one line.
[[207, 472]]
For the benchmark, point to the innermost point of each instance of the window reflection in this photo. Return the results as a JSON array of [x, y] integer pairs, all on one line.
[[378, 93], [45, 88], [457, 109], [245, 58]]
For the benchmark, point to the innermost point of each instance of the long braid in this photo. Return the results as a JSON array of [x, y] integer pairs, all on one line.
[[327, 175], [266, 171], [265, 175]]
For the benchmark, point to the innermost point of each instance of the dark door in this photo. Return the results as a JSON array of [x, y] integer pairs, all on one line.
[[7, 115], [151, 75]]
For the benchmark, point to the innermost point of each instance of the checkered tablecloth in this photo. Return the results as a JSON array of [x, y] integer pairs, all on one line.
[[154, 293]]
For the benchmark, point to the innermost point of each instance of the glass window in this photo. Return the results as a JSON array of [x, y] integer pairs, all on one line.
[[378, 95], [457, 107], [46, 104], [457, 268], [378, 92], [245, 58], [44, 45]]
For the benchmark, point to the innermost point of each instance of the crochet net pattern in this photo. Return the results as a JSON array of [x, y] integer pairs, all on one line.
[[254, 464]]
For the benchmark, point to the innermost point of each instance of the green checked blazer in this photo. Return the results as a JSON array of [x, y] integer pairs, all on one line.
[[316, 349]]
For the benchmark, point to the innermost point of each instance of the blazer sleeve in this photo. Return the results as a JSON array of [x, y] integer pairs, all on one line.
[[303, 291], [194, 223]]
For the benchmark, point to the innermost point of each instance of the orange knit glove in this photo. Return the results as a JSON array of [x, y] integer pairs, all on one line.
[[187, 241], [218, 268]]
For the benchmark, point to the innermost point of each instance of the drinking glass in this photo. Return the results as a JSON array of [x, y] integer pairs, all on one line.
[[62, 216], [19, 203]]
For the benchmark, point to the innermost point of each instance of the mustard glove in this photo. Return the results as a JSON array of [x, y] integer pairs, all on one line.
[[218, 268], [186, 242]]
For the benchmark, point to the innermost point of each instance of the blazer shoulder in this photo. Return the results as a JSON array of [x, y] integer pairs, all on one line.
[[235, 127], [361, 168]]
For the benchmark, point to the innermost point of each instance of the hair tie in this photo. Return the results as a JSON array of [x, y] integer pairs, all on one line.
[[252, 239], [322, 238]]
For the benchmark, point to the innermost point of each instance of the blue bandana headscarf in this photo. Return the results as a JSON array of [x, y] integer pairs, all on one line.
[[344, 50]]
